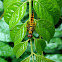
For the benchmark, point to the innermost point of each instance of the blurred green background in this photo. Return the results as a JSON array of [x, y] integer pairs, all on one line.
[[52, 51]]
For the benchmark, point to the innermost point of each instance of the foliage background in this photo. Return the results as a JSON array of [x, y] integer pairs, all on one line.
[[52, 51]]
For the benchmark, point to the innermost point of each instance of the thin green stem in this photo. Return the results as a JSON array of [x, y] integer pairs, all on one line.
[[31, 51], [29, 20], [29, 10]]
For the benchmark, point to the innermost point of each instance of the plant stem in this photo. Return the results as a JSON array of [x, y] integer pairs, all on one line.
[[29, 10], [29, 20], [31, 51]]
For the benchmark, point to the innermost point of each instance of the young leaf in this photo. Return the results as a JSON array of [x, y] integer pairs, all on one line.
[[49, 6], [19, 35], [5, 50], [2, 60], [14, 13], [40, 45], [7, 3], [20, 48], [40, 58], [26, 59], [45, 29]]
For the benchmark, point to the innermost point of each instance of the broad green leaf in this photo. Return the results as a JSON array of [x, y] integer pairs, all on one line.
[[2, 60], [14, 31], [45, 29], [40, 45], [14, 13], [5, 50], [41, 11], [7, 3], [19, 34], [1, 6], [53, 8], [55, 57], [40, 58], [26, 59], [20, 48], [50, 6], [4, 32]]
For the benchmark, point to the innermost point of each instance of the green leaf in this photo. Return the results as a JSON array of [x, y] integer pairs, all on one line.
[[41, 11], [26, 59], [45, 29], [56, 40], [23, 0], [2, 60], [7, 3], [4, 32], [5, 50], [18, 34], [29, 47], [48, 7], [14, 31], [59, 2], [51, 46], [40, 45], [15, 13], [58, 31], [35, 34], [40, 58], [61, 11], [1, 6], [20, 48], [55, 57]]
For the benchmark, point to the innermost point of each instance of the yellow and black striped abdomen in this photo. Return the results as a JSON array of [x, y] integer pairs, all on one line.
[[32, 17], [31, 25]]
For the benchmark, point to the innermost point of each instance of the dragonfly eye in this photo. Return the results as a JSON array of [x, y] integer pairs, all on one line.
[[29, 35]]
